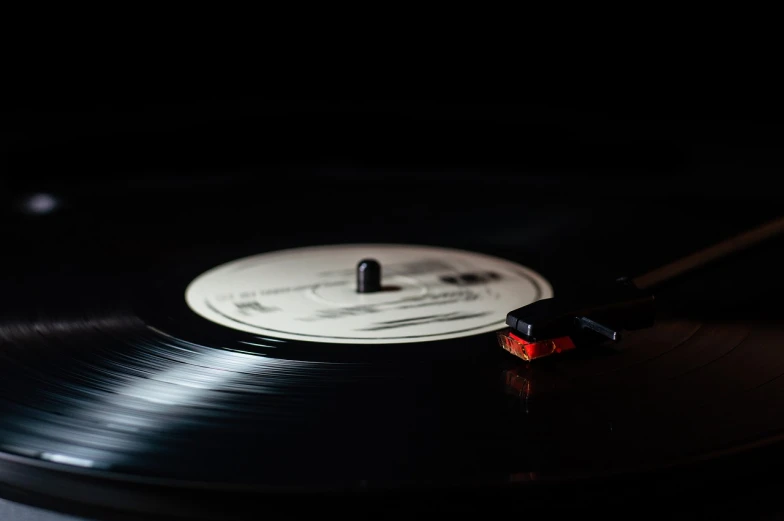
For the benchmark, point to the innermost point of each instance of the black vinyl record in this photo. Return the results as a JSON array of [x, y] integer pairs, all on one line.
[[124, 398]]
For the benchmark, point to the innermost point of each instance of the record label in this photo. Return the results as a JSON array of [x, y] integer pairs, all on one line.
[[310, 294]]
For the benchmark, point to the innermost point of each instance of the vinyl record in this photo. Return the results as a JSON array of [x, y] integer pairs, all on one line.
[[191, 386]]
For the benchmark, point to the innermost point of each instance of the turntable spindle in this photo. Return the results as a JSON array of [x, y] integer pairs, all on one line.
[[368, 276]]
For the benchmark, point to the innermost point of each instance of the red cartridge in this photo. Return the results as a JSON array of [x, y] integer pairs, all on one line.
[[532, 350]]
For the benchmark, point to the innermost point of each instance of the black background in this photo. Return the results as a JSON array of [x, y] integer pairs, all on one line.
[[597, 185]]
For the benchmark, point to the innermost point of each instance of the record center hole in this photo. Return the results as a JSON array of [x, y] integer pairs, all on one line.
[[384, 289]]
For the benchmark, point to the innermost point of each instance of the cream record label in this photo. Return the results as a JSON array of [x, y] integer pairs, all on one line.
[[310, 294]]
